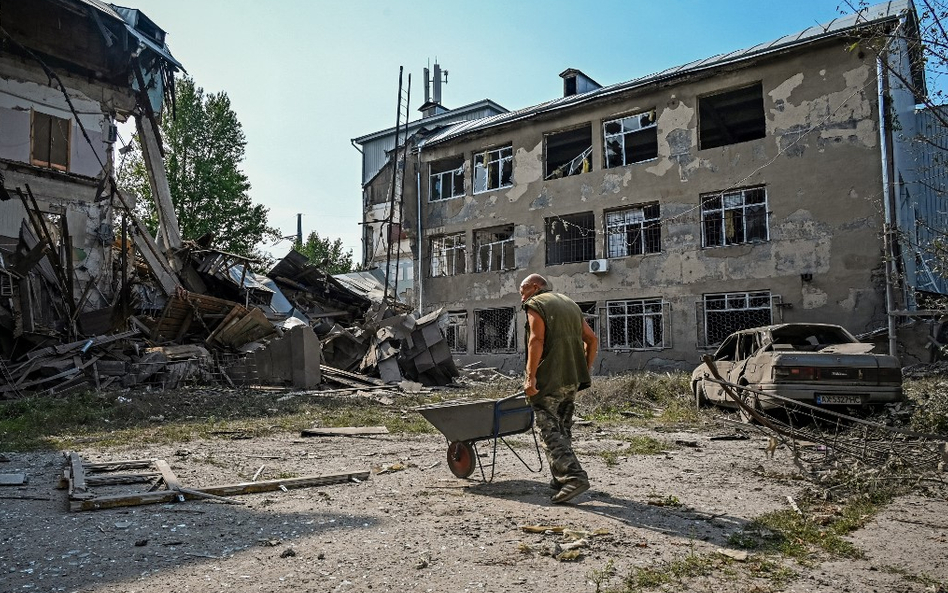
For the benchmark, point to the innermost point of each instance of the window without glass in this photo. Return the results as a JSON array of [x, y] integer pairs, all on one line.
[[493, 169], [734, 217], [496, 331], [589, 313], [493, 249], [569, 153], [731, 117], [726, 313], [446, 179], [633, 231], [455, 332], [570, 239], [631, 139], [49, 141], [635, 324], [447, 255]]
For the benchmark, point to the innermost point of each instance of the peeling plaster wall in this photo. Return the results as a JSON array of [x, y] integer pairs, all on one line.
[[819, 162]]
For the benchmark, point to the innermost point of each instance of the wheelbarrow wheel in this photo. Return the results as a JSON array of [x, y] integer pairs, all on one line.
[[461, 459]]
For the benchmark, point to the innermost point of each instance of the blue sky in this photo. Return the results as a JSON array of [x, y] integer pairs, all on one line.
[[305, 77]]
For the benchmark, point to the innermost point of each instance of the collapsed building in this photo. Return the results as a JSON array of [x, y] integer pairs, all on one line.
[[88, 298]]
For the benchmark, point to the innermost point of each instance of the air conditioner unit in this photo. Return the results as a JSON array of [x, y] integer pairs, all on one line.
[[598, 266]]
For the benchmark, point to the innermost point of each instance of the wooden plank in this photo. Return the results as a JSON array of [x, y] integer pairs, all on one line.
[[343, 431], [12, 479], [77, 478], [170, 479], [158, 180], [112, 466], [163, 496], [121, 479]]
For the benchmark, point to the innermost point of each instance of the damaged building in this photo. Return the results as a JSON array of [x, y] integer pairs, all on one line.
[[743, 189], [90, 299]]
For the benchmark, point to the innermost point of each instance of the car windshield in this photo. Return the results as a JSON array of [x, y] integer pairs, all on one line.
[[809, 337]]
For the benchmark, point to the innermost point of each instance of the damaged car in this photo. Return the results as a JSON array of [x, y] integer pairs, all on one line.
[[814, 363]]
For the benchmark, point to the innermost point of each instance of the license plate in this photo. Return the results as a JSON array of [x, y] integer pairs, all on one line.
[[839, 399]]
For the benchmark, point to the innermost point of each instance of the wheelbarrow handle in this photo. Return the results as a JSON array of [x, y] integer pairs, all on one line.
[[510, 397]]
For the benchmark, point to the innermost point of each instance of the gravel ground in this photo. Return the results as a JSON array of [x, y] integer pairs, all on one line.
[[412, 526]]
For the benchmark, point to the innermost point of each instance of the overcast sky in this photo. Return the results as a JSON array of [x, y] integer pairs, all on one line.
[[305, 77]]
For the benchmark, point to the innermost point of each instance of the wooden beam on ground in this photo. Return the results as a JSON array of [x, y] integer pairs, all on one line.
[[165, 496], [343, 431]]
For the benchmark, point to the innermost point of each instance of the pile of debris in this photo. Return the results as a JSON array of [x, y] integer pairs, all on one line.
[[198, 315]]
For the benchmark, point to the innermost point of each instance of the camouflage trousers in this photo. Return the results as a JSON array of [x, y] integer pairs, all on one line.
[[554, 421]]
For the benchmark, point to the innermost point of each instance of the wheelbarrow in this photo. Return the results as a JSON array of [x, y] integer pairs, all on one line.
[[464, 423]]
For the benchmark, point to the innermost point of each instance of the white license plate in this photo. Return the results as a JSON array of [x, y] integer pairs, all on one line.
[[839, 399]]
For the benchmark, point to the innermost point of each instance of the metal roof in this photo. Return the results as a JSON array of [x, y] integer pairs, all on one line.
[[434, 120], [872, 15]]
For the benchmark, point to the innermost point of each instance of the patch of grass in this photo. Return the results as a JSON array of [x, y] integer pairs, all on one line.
[[794, 536], [651, 577], [669, 500], [640, 398], [638, 445]]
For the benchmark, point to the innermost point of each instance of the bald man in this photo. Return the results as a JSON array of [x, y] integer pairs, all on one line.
[[561, 349]]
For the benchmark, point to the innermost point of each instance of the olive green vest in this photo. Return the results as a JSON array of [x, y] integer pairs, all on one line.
[[564, 359]]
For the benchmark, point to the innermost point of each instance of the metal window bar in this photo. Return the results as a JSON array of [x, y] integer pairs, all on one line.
[[720, 315], [455, 333], [570, 239], [447, 255], [641, 324], [495, 331]]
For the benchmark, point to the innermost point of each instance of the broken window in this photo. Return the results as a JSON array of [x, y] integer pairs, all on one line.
[[631, 139], [734, 217], [447, 255], [731, 117], [455, 332], [570, 239], [633, 231], [496, 331], [446, 179], [49, 141], [635, 324], [569, 153], [589, 313], [494, 249], [493, 169], [726, 313]]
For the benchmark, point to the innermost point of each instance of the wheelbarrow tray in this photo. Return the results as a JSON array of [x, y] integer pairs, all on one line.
[[474, 420]]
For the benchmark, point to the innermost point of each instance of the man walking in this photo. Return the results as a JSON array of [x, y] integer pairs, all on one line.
[[561, 348]]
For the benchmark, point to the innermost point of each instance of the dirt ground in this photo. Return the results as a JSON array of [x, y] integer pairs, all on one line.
[[421, 529]]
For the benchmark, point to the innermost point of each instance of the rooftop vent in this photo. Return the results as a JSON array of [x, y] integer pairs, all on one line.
[[576, 83]]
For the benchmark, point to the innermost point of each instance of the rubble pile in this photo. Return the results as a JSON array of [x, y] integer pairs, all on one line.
[[200, 315]]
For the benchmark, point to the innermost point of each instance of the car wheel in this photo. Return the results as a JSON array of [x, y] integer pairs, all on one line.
[[701, 398]]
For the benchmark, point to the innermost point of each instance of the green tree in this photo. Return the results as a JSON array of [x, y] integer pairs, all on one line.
[[204, 146], [326, 254]]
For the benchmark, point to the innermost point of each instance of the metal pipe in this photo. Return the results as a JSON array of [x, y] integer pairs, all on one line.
[[418, 241], [885, 138]]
